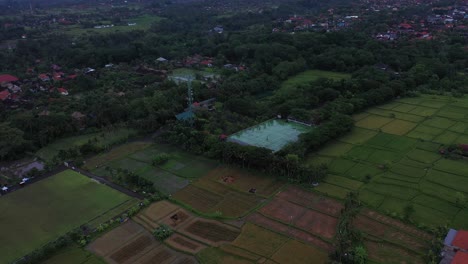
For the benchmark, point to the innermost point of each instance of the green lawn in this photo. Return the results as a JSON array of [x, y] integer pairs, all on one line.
[[47, 209], [74, 255]]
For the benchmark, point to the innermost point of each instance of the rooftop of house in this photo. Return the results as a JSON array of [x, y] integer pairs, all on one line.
[[4, 95], [8, 78], [461, 240], [460, 258]]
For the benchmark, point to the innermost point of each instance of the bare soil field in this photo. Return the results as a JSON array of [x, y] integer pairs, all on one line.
[[290, 231], [185, 244], [130, 243]]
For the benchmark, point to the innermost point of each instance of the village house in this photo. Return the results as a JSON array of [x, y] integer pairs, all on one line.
[[44, 77], [62, 91], [7, 78], [455, 249]]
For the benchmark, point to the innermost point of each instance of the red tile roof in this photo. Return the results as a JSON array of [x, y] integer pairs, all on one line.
[[62, 90], [4, 95], [7, 78], [460, 258], [461, 240]]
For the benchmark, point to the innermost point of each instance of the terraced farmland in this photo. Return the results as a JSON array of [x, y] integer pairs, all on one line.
[[392, 158]]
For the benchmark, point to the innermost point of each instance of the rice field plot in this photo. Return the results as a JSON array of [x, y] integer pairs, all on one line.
[[458, 167], [235, 204], [335, 149], [459, 127], [453, 181], [423, 156], [437, 204], [165, 182], [390, 190], [300, 217], [259, 240], [198, 198], [226, 203], [447, 138], [362, 171], [439, 122], [244, 180], [460, 219], [303, 253], [211, 231], [343, 182], [130, 243], [358, 135], [185, 244], [340, 166], [215, 255], [311, 200], [373, 122], [290, 231], [114, 154], [102, 139], [48, 203], [332, 190], [371, 198], [398, 127], [362, 152], [404, 108], [382, 252], [423, 111], [397, 163]]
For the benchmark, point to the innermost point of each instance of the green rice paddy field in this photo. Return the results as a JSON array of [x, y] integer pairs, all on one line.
[[137, 157], [103, 139], [49, 208], [392, 158]]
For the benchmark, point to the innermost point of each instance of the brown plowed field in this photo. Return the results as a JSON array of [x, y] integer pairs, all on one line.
[[111, 241], [370, 226], [212, 231], [160, 255], [283, 210], [185, 244], [130, 250], [318, 223], [268, 223], [386, 253], [311, 200], [198, 198], [159, 210], [398, 224]]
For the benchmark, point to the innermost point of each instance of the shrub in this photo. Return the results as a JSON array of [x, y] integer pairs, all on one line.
[[162, 232], [161, 159]]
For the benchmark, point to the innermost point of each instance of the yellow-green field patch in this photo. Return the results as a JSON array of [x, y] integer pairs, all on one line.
[[332, 190], [373, 122], [423, 111], [302, 254], [343, 182], [398, 127], [404, 108], [439, 122]]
